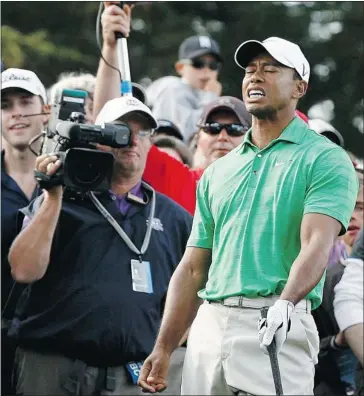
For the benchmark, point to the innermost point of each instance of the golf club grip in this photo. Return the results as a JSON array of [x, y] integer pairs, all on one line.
[[272, 351]]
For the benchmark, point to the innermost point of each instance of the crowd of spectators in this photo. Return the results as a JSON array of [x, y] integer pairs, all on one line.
[[70, 316]]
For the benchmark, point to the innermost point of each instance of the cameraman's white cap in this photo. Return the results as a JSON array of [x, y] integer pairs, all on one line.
[[283, 51], [119, 107], [24, 79]]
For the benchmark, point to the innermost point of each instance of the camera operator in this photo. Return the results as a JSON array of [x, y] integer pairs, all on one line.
[[23, 100], [105, 289]]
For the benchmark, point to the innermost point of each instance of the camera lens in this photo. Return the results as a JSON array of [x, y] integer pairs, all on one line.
[[88, 170]]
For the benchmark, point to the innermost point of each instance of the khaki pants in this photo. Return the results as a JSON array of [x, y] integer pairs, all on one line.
[[223, 354]]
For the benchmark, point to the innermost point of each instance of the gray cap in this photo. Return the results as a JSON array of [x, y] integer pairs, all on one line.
[[230, 103], [196, 46]]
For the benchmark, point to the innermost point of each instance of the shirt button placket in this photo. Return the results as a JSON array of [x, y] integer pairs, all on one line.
[[255, 169]]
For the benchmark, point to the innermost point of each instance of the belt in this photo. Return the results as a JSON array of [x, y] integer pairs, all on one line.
[[258, 302]]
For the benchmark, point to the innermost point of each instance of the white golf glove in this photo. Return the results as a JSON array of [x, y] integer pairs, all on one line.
[[276, 325]]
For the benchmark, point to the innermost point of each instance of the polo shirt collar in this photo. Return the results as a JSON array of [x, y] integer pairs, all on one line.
[[293, 132]]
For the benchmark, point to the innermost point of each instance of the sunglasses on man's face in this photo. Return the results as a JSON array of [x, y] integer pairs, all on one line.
[[231, 129], [200, 64]]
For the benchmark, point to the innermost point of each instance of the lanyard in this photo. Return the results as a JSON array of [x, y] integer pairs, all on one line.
[[118, 228]]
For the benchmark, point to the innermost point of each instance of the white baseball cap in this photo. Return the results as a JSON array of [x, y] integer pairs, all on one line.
[[285, 52], [116, 108], [24, 79]]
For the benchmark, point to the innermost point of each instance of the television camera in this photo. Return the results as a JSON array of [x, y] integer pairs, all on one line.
[[84, 167]]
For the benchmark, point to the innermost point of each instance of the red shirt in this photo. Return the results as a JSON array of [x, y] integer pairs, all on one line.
[[172, 178]]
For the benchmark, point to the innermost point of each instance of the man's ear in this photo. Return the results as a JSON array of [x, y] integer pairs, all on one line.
[[179, 68], [46, 109], [300, 90]]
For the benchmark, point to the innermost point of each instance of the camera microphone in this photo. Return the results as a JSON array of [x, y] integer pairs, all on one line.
[[111, 135]]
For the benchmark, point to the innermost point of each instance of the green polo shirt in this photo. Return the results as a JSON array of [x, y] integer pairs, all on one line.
[[250, 204]]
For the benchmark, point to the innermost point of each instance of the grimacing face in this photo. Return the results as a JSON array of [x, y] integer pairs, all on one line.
[[277, 84], [17, 131]]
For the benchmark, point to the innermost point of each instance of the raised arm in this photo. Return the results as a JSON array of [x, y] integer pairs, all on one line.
[[30, 252], [114, 19]]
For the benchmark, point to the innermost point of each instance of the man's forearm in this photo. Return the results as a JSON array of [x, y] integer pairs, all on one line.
[[181, 307], [30, 252], [305, 273], [107, 80]]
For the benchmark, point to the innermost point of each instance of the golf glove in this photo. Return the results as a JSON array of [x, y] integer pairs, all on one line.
[[276, 325]]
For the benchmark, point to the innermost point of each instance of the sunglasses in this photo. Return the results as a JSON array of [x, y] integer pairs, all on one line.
[[231, 129], [200, 64]]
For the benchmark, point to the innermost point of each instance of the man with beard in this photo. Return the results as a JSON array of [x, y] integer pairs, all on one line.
[[266, 217]]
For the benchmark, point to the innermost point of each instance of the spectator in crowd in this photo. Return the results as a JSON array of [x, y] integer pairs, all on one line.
[[344, 244], [86, 82], [167, 128], [174, 147], [222, 127], [348, 305], [183, 100], [266, 217], [164, 173], [138, 92], [324, 128], [23, 100], [335, 371], [78, 81], [95, 294]]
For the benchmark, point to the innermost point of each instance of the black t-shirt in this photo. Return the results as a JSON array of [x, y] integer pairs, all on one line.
[[85, 307]]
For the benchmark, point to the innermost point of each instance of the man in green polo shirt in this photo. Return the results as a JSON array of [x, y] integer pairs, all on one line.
[[267, 215]]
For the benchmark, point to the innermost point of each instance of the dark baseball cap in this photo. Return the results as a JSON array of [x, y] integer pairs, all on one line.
[[168, 128], [195, 46], [229, 103], [138, 92]]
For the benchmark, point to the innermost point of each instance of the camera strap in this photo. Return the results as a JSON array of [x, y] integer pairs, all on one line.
[[118, 228]]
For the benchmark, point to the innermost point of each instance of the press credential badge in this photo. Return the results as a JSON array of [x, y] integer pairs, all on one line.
[[141, 276]]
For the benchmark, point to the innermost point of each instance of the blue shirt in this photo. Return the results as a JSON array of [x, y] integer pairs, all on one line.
[[85, 307], [12, 199]]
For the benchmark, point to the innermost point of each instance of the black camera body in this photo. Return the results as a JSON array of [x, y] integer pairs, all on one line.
[[84, 167]]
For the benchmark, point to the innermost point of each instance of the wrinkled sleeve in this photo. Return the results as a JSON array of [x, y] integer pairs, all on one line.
[[332, 187]]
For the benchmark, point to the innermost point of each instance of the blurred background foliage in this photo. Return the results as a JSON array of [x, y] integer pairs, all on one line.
[[52, 37]]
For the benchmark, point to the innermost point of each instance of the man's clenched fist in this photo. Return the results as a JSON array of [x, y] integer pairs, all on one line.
[[115, 19]]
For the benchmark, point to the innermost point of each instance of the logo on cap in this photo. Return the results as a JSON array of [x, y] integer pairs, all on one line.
[[205, 42], [132, 102], [12, 77], [304, 72]]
